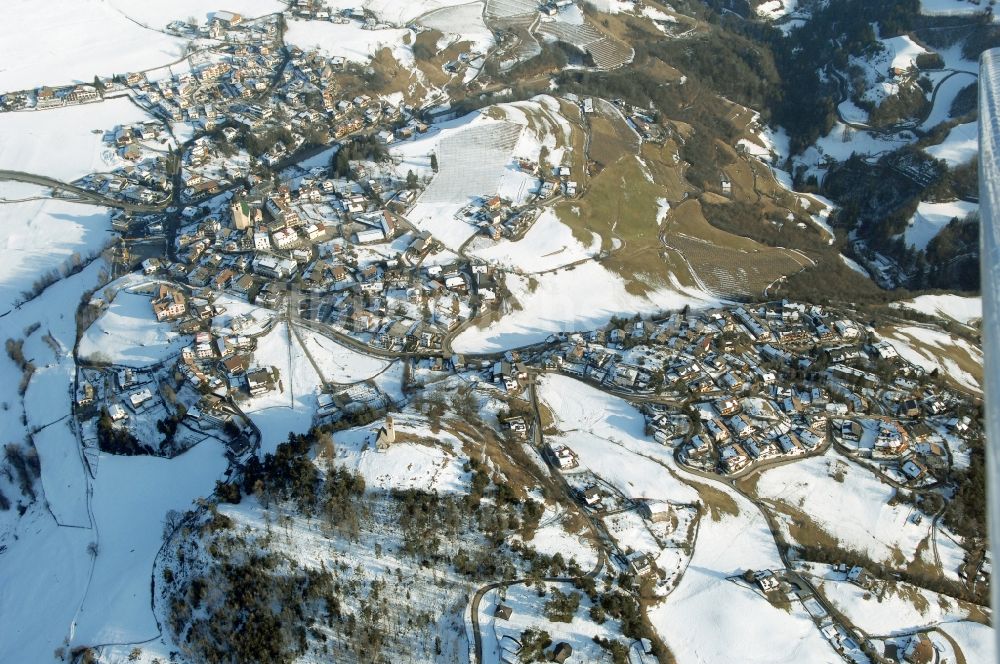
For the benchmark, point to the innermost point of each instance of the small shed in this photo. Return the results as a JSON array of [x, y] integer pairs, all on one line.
[[562, 652]]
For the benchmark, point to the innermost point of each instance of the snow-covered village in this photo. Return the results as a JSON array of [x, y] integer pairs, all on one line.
[[500, 331]]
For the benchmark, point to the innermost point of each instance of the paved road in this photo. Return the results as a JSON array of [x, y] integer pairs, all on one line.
[[600, 535], [85, 195]]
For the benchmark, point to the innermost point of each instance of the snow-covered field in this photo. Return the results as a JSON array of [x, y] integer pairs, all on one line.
[[337, 363], [131, 498], [902, 52], [290, 406], [128, 333], [476, 158], [957, 307], [708, 618], [930, 218], [931, 349], [960, 146], [774, 9], [348, 40], [976, 641], [856, 266], [945, 96], [398, 13], [42, 235], [549, 244], [843, 141], [854, 511], [553, 303], [419, 459], [75, 133], [608, 435], [462, 23], [46, 570], [72, 41], [951, 7], [250, 319], [472, 161], [527, 613], [55, 593], [892, 610], [46, 566], [158, 13]]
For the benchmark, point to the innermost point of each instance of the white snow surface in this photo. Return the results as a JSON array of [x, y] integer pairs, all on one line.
[[290, 406], [65, 143], [719, 617], [854, 265], [464, 23], [132, 495], [930, 218], [960, 146], [349, 40], [855, 512], [156, 14], [476, 158], [338, 363], [472, 158], [922, 347], [944, 98], [46, 570], [48, 597], [608, 435], [42, 235], [894, 612], [951, 7], [957, 307], [976, 641], [843, 141], [412, 462], [774, 9], [553, 302], [396, 12], [902, 52], [549, 244], [71, 41], [128, 333]]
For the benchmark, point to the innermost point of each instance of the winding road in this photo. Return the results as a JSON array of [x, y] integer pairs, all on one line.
[[82, 195]]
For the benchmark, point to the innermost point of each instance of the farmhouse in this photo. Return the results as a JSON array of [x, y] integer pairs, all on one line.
[[136, 399], [655, 511], [386, 435], [258, 381], [169, 303]]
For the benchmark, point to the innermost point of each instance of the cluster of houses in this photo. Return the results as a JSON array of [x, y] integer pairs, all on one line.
[[158, 405], [772, 381], [256, 108], [496, 218], [56, 97]]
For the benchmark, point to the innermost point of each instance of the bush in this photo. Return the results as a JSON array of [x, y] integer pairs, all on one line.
[[929, 61], [117, 440], [533, 645], [562, 607], [228, 493]]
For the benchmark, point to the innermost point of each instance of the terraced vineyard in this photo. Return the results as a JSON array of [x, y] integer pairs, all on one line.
[[731, 272], [512, 11], [472, 161], [606, 52], [519, 18]]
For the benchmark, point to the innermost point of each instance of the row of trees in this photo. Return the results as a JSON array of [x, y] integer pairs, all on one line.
[[363, 148]]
